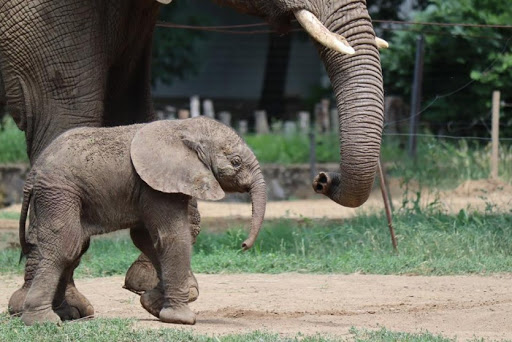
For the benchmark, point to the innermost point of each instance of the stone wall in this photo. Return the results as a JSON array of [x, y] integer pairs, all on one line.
[[12, 178], [283, 182]]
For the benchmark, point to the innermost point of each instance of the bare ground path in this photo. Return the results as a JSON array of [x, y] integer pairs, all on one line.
[[460, 306]]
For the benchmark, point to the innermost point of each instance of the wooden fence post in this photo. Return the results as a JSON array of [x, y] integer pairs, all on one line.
[[183, 114], [495, 133], [225, 118], [260, 118], [208, 108], [195, 104]]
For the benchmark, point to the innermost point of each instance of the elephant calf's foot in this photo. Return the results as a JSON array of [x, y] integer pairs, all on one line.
[[152, 301], [141, 276], [30, 317], [75, 305], [16, 301], [178, 315], [193, 286]]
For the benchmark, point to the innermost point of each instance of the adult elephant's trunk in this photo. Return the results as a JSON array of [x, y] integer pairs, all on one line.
[[357, 84], [258, 193]]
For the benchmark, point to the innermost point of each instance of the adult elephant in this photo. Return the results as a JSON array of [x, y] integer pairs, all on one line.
[[69, 63]]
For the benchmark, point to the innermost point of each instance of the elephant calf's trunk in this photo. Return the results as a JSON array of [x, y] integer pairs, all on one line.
[[258, 193]]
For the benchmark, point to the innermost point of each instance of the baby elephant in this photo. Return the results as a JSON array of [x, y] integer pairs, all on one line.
[[96, 180]]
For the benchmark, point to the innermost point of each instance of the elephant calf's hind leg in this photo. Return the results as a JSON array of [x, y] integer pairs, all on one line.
[[60, 243]]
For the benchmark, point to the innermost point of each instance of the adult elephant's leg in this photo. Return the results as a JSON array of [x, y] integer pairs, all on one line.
[[60, 243], [68, 303], [54, 76], [142, 276]]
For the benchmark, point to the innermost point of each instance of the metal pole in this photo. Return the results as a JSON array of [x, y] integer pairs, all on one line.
[[385, 198], [312, 153], [416, 96], [495, 133]]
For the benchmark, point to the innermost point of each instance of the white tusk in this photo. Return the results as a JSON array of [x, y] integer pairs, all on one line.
[[381, 43], [165, 2], [321, 34]]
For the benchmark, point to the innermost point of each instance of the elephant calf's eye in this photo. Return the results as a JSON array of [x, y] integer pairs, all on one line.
[[236, 161]]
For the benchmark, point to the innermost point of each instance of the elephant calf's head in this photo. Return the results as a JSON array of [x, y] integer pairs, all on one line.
[[201, 158]]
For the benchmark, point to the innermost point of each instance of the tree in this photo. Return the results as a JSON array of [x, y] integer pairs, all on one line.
[[176, 51], [276, 70], [462, 65]]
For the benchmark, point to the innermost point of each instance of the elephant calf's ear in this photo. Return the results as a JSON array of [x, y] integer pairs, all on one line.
[[166, 164]]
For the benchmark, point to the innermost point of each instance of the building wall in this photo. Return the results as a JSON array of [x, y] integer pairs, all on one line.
[[233, 65]]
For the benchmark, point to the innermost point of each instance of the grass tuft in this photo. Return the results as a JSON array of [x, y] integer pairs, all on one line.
[[13, 148], [107, 330], [429, 244]]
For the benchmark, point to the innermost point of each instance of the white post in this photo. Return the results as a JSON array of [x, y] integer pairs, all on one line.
[[289, 128], [243, 127], [261, 122], [225, 118], [495, 133], [195, 104], [324, 122], [208, 109], [304, 122], [170, 112], [334, 120]]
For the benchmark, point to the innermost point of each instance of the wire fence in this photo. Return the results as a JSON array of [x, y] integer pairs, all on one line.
[[482, 122]]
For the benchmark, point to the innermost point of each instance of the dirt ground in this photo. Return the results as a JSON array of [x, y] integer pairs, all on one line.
[[462, 306]]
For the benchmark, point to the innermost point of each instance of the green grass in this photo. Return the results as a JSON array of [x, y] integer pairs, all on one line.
[[293, 149], [9, 215], [107, 330], [429, 244], [439, 163], [13, 148]]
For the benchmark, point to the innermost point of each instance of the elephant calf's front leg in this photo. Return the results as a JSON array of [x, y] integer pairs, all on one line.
[[175, 264], [142, 276], [172, 243]]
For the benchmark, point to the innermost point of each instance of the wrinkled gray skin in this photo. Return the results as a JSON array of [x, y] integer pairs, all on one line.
[[93, 181], [86, 63]]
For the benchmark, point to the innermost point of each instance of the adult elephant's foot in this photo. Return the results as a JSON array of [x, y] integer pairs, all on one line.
[[178, 315], [74, 306], [141, 277], [15, 306], [30, 317]]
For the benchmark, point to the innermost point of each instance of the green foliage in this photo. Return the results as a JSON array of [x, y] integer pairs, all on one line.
[[8, 215], [122, 330], [293, 149], [176, 51], [430, 243], [445, 163], [455, 56], [13, 148]]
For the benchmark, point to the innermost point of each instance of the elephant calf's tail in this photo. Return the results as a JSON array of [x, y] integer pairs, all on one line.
[[27, 195]]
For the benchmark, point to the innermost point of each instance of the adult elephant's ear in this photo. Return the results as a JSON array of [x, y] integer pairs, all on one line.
[[169, 163]]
